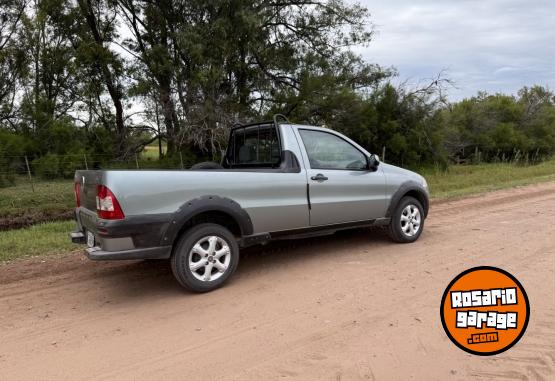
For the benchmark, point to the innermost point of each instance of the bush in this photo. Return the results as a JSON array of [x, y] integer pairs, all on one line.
[[501, 128], [48, 166], [12, 148], [6, 179], [52, 166], [166, 162]]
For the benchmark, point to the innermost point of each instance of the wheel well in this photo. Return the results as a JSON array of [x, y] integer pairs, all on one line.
[[215, 217], [420, 197]]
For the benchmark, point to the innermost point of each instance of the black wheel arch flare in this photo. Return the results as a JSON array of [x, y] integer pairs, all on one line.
[[209, 203], [411, 188]]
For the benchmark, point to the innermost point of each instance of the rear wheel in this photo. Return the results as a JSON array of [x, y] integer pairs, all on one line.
[[407, 220], [205, 257]]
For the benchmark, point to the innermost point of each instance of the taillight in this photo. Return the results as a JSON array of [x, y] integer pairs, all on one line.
[[77, 190], [107, 206]]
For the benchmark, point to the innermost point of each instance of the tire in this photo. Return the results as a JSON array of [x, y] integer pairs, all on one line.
[[399, 227], [207, 165], [187, 256]]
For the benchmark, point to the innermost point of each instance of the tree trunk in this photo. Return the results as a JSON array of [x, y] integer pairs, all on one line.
[[113, 89], [170, 118], [36, 90], [164, 79]]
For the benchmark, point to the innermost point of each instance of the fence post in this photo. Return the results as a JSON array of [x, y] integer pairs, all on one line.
[[86, 165], [29, 173], [136, 161], [181, 159], [383, 154]]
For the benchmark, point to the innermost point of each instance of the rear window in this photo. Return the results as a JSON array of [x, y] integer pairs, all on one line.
[[254, 146]]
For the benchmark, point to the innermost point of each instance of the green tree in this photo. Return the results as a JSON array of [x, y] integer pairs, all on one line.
[[216, 62], [501, 127], [96, 30], [52, 87], [13, 60]]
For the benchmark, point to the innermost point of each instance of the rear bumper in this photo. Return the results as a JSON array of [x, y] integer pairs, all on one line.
[[135, 237], [97, 254]]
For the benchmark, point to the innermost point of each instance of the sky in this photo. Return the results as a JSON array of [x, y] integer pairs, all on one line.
[[491, 45]]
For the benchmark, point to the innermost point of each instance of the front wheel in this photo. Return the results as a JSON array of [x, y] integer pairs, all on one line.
[[407, 221], [205, 257]]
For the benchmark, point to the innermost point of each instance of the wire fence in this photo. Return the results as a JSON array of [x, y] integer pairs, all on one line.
[[53, 166]]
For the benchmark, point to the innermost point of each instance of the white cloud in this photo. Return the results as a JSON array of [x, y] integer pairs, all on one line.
[[492, 45]]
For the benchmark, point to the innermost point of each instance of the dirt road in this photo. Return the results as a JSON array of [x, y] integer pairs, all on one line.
[[349, 306]]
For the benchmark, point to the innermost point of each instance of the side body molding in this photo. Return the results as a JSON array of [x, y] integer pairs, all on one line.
[[409, 187], [207, 204]]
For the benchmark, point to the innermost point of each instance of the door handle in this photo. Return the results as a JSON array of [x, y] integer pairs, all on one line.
[[319, 177]]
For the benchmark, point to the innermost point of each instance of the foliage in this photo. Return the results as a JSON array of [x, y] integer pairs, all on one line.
[[501, 127], [11, 147], [13, 59], [107, 78], [53, 166], [400, 122]]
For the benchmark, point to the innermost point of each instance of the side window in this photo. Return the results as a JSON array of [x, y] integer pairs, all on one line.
[[327, 151], [254, 146]]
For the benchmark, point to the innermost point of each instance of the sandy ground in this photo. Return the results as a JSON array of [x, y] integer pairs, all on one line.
[[349, 306]]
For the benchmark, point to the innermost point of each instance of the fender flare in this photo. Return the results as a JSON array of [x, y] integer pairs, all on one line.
[[210, 203], [406, 187]]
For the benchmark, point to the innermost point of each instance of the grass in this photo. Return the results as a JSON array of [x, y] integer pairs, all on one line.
[[464, 180], [50, 200], [41, 239], [152, 151], [57, 196]]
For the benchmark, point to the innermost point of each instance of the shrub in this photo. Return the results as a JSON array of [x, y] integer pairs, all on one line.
[[52, 166], [12, 148], [48, 166]]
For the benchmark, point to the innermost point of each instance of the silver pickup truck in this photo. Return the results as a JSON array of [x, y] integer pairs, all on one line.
[[277, 180]]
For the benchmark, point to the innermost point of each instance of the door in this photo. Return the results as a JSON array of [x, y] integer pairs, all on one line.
[[270, 186], [341, 187]]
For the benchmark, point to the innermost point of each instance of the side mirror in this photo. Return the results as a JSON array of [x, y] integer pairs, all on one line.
[[373, 162]]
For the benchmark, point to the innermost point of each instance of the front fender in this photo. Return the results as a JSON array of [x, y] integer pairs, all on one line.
[[412, 188]]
